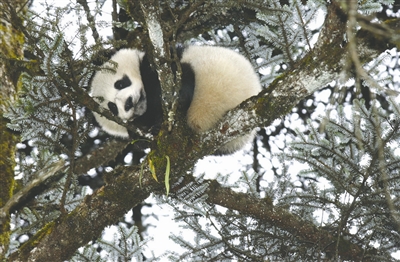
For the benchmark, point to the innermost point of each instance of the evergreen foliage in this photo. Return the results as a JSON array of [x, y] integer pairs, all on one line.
[[328, 191], [353, 171], [125, 246]]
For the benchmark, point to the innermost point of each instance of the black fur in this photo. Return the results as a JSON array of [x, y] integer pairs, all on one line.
[[179, 51], [123, 83], [102, 56], [128, 104], [113, 108], [152, 118], [187, 89], [188, 81]]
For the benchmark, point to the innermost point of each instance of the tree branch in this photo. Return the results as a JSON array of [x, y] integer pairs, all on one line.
[[90, 18], [49, 175], [59, 240], [45, 176], [263, 210], [320, 66]]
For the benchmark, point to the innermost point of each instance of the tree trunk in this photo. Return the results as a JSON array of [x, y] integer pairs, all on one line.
[[10, 46]]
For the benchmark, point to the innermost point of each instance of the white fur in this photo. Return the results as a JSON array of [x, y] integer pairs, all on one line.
[[224, 79], [103, 91]]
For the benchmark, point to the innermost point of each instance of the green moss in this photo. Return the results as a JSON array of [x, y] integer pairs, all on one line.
[[176, 144], [5, 236], [35, 240], [7, 182]]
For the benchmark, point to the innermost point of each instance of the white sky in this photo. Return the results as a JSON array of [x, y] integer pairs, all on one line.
[[235, 164]]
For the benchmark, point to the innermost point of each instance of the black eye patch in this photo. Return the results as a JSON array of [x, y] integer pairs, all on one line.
[[113, 108], [123, 83]]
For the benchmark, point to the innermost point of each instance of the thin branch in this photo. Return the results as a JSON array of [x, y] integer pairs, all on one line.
[[59, 240], [44, 177], [303, 25], [55, 171], [91, 20], [394, 213], [281, 218], [352, 47]]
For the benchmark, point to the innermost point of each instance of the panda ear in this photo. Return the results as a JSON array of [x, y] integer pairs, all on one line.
[[102, 56]]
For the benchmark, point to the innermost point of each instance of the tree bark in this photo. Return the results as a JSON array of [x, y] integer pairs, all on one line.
[[11, 47], [7, 161], [60, 239]]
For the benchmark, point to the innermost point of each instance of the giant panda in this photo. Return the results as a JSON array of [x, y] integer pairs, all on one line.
[[214, 81]]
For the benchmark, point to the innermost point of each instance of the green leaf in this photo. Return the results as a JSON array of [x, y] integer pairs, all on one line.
[[153, 170]]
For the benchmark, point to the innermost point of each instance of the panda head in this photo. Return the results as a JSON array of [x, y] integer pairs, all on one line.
[[118, 87]]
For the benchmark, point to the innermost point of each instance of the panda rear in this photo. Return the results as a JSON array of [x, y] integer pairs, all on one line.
[[214, 81]]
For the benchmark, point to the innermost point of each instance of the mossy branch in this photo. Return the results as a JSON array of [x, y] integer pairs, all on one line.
[[322, 65]]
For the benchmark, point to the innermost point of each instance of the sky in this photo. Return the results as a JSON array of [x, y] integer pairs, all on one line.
[[163, 225]]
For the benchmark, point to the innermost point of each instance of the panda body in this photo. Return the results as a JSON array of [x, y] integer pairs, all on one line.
[[214, 81]]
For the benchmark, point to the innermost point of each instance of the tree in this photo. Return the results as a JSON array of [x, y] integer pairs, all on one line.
[[10, 42], [352, 217]]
